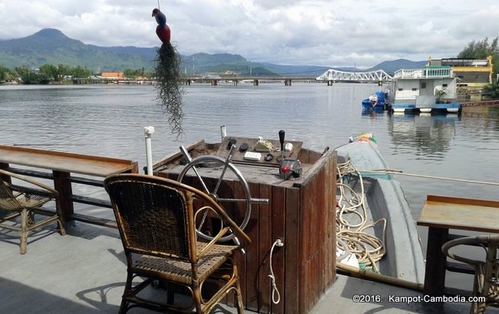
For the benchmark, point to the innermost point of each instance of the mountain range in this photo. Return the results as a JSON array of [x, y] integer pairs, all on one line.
[[51, 46]]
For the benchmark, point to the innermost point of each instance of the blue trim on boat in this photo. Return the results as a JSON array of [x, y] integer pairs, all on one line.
[[436, 109]]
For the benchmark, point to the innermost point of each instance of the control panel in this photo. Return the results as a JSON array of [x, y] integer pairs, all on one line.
[[265, 152]]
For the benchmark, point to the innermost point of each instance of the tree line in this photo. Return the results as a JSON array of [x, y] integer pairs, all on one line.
[[49, 73]]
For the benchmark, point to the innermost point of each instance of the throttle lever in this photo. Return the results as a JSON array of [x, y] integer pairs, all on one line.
[[281, 141]]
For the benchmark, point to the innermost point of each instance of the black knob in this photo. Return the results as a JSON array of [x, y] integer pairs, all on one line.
[[281, 139]]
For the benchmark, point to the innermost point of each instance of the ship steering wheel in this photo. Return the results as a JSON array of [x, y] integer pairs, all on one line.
[[230, 190]]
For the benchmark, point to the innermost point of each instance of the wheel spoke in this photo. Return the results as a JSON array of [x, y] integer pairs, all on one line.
[[226, 164], [241, 184]]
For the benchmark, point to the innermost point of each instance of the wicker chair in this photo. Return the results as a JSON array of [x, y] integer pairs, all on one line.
[[486, 279], [25, 201], [156, 220]]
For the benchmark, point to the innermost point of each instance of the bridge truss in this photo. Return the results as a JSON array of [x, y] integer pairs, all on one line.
[[372, 76]]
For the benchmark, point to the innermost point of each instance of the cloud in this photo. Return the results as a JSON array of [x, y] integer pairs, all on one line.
[[311, 32]]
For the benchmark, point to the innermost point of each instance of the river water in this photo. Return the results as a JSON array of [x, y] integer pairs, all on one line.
[[109, 120]]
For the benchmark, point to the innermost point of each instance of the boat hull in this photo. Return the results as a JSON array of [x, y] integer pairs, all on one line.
[[367, 105], [385, 198], [379, 105]]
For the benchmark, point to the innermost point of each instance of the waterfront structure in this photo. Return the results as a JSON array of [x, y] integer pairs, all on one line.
[[473, 73], [113, 75], [432, 89]]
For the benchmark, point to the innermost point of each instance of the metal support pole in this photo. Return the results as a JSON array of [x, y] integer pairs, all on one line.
[[223, 131], [148, 131]]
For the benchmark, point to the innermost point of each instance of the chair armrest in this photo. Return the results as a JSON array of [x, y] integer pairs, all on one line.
[[481, 240], [243, 238], [30, 181], [231, 225]]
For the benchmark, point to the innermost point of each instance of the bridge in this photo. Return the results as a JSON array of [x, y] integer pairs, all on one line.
[[378, 76], [329, 76], [256, 80]]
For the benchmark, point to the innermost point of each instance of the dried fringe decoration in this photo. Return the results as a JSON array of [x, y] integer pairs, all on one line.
[[169, 87], [170, 90]]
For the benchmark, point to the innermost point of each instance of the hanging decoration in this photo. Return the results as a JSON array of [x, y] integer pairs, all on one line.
[[169, 87]]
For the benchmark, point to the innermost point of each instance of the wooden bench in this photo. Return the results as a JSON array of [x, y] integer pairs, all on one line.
[[62, 165], [442, 213]]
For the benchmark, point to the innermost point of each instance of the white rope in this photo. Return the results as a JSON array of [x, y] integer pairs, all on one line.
[[276, 296], [352, 220]]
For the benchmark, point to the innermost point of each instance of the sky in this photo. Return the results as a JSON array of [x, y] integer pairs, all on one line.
[[361, 33]]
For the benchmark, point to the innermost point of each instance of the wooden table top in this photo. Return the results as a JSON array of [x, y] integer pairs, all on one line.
[[65, 162], [460, 213]]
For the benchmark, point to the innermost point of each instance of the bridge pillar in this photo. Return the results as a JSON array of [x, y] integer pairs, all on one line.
[[287, 82], [330, 83], [214, 82], [255, 82], [187, 82]]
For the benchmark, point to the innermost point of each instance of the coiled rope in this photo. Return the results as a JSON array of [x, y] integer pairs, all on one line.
[[352, 221]]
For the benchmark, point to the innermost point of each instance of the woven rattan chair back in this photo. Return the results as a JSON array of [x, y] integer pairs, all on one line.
[[24, 203], [156, 221], [7, 199], [153, 218], [486, 279]]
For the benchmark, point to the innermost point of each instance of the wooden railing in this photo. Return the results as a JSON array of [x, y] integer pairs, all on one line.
[[66, 169]]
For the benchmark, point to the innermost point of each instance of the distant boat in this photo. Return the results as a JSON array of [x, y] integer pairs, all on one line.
[[432, 89], [376, 102]]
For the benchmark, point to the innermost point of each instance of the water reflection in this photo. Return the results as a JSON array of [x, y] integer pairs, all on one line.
[[428, 137]]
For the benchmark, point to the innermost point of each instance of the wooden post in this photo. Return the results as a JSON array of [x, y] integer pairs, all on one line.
[[434, 281], [63, 185]]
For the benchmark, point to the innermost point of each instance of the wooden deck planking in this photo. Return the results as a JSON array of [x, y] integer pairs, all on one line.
[[278, 225], [293, 251], [265, 236], [317, 212], [252, 299]]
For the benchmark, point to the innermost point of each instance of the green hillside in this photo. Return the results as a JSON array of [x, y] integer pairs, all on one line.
[[50, 46]]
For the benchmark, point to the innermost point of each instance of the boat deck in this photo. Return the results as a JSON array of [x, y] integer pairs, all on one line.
[[85, 271]]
